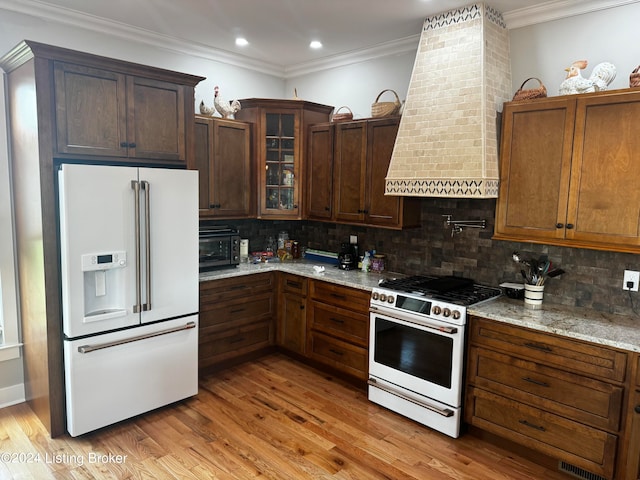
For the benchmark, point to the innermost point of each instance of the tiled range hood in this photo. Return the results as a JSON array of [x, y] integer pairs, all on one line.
[[447, 142]]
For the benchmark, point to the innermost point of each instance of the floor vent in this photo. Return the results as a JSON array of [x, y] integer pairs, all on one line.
[[578, 472]]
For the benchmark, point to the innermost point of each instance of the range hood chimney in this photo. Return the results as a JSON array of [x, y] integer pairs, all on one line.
[[447, 142]]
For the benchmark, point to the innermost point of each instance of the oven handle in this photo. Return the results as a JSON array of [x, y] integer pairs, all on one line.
[[100, 346], [445, 412], [437, 328]]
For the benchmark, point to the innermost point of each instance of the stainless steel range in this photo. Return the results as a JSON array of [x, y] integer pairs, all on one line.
[[416, 346]]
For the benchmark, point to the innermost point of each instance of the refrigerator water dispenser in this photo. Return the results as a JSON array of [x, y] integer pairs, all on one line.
[[104, 285]]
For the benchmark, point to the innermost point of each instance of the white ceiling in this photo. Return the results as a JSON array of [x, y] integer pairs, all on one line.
[[279, 31]]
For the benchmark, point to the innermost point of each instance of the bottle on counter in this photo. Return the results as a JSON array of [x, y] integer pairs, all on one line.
[[366, 262]]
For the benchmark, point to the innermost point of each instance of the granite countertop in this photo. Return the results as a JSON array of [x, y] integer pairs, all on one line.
[[305, 268], [618, 331]]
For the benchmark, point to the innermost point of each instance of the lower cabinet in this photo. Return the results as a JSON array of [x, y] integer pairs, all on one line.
[[292, 312], [338, 327], [554, 395], [236, 318], [631, 466]]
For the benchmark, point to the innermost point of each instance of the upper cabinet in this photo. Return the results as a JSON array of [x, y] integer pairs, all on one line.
[[118, 111], [279, 145], [569, 171], [357, 155], [223, 158]]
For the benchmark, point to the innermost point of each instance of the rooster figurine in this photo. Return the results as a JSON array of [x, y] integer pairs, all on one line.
[[602, 75], [226, 109]]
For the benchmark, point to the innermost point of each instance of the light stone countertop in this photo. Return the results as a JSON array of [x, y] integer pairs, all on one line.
[[618, 331], [348, 278]]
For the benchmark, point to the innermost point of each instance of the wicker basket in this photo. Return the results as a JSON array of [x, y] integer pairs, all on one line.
[[385, 109], [342, 117], [540, 92], [634, 78]]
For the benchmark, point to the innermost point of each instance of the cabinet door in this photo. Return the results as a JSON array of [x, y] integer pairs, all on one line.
[[90, 111], [535, 162], [231, 172], [380, 209], [350, 171], [155, 119], [632, 468], [203, 135], [292, 325], [280, 166], [320, 172], [604, 200]]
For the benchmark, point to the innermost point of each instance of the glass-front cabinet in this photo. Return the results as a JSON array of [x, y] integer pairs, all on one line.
[[279, 147]]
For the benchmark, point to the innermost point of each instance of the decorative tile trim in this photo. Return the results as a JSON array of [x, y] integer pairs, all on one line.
[[467, 188], [464, 14]]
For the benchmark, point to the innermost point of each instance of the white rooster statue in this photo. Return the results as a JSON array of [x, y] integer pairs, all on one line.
[[226, 109], [602, 75]]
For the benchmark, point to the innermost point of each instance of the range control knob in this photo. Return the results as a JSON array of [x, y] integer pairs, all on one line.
[[456, 314], [437, 310], [390, 299], [383, 297], [446, 312], [375, 295]]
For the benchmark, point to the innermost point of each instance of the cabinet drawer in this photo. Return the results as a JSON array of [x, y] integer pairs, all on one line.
[[223, 290], [341, 355], [232, 343], [340, 296], [236, 312], [576, 397], [294, 284], [344, 324], [561, 438], [570, 355]]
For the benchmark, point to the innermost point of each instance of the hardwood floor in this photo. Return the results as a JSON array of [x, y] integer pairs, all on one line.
[[273, 418]]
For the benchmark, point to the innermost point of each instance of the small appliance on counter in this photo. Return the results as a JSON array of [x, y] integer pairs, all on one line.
[[348, 257], [219, 246]]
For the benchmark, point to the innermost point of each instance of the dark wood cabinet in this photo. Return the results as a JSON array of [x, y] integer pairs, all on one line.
[[338, 328], [292, 313], [237, 318], [110, 113], [557, 396], [279, 145], [319, 185], [357, 155], [223, 158], [68, 105], [630, 466], [568, 172]]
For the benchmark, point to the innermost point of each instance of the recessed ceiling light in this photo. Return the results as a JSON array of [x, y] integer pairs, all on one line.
[[241, 42], [315, 44]]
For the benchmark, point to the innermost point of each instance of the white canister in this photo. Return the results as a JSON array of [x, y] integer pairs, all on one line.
[[533, 296], [244, 247]]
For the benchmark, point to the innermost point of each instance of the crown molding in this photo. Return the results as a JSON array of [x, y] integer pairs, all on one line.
[[557, 9], [545, 12]]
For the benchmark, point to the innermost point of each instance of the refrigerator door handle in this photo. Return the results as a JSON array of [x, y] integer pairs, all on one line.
[[135, 185], [147, 232], [101, 346]]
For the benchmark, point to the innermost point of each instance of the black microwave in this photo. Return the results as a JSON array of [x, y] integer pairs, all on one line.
[[219, 247]]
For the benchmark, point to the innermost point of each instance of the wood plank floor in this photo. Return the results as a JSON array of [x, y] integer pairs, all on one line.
[[273, 418]]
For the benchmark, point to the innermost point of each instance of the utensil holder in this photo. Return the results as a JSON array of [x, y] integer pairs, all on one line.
[[533, 296]]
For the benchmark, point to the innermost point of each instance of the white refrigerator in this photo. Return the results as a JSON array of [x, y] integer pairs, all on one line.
[[129, 264]]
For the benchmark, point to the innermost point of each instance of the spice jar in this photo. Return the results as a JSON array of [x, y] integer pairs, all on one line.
[[295, 249]]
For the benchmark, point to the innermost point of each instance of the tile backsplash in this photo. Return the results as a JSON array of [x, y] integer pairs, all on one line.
[[593, 278]]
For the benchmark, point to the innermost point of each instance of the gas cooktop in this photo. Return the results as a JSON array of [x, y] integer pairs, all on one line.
[[455, 290]]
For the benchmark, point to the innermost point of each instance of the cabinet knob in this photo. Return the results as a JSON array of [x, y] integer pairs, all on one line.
[[302, 308], [124, 144], [637, 409], [327, 209], [132, 145], [559, 225], [569, 226]]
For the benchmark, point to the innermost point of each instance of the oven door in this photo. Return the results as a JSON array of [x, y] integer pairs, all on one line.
[[218, 251], [423, 356]]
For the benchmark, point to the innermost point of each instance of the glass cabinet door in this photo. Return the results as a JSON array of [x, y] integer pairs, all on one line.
[[280, 161]]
